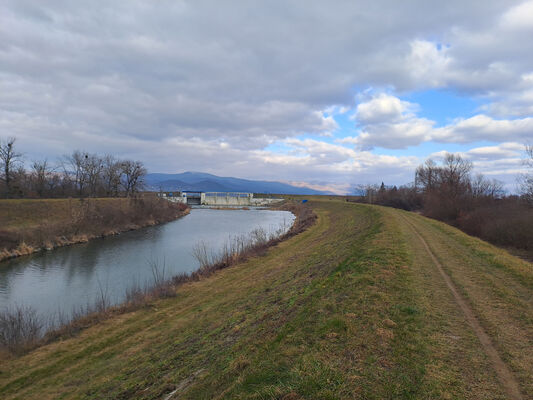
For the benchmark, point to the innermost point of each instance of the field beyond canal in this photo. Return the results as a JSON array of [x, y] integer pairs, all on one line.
[[367, 303], [28, 225]]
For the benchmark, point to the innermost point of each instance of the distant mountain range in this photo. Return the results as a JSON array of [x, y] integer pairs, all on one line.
[[202, 182]]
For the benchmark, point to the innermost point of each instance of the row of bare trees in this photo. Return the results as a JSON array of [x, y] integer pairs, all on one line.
[[442, 190], [79, 174], [449, 192], [449, 189]]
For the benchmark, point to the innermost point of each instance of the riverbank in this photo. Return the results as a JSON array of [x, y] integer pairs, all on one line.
[[358, 305], [137, 274], [28, 226]]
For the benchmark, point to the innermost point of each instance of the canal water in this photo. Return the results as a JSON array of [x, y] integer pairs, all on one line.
[[70, 278]]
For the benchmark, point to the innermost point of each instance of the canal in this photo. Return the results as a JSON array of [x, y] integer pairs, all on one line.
[[70, 278]]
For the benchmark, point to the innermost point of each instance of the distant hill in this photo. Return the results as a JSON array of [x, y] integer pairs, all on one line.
[[199, 181]]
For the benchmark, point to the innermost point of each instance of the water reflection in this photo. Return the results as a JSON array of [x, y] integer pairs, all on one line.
[[71, 277]]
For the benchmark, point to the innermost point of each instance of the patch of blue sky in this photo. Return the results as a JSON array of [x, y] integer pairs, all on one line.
[[278, 147], [444, 106], [441, 106], [346, 125]]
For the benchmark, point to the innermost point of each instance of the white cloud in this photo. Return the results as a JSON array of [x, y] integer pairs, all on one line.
[[183, 87], [386, 121], [519, 17], [383, 108], [504, 150], [517, 102], [482, 127], [428, 63], [389, 122]]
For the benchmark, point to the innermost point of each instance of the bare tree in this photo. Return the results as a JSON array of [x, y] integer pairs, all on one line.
[[133, 175], [40, 176], [426, 175], [74, 170], [456, 173], [111, 175], [445, 187], [526, 179], [92, 167], [483, 187], [9, 160], [83, 174], [370, 192]]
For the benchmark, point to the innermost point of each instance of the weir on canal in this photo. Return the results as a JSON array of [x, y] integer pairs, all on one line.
[[218, 198]]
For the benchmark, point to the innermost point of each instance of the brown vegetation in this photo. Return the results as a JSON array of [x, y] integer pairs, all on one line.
[[32, 225], [477, 205], [20, 329]]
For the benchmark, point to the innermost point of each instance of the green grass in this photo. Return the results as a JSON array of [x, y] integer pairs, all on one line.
[[351, 308]]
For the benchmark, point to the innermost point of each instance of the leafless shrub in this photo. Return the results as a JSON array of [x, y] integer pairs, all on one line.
[[158, 272], [135, 296], [180, 278], [102, 302], [20, 329], [239, 248], [161, 286], [201, 252]]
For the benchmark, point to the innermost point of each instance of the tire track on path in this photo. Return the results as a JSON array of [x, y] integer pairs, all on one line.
[[503, 372]]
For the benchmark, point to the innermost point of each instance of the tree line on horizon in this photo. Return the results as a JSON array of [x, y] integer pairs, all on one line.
[[79, 174], [479, 206]]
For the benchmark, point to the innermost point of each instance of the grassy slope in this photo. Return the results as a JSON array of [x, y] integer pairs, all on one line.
[[351, 308]]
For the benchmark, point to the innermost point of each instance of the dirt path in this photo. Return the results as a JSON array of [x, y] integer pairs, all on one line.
[[351, 308], [503, 372]]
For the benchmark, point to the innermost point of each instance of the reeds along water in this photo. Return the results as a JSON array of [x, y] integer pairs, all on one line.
[[22, 329]]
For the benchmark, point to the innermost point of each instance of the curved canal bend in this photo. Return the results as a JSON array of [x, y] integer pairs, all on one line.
[[69, 278]]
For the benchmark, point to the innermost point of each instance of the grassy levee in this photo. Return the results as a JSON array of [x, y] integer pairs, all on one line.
[[497, 286], [350, 308]]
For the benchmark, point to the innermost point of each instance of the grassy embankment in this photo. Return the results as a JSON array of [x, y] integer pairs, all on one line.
[[354, 307], [27, 226]]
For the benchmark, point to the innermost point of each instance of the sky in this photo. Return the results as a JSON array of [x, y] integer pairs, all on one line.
[[325, 94]]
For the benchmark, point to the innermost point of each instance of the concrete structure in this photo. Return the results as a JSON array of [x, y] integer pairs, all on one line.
[[175, 197], [218, 199]]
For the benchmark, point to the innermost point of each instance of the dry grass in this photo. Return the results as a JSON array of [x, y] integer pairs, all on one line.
[[349, 308], [27, 226]]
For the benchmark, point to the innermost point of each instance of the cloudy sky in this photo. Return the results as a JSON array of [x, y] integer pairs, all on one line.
[[329, 93]]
